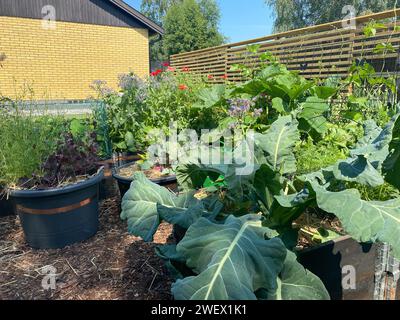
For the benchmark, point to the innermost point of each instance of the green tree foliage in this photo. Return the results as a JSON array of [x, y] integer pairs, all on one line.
[[293, 14], [156, 11], [188, 24]]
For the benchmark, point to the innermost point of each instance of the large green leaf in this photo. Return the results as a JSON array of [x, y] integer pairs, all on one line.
[[369, 154], [146, 204], [297, 283], [233, 260], [391, 165], [139, 206], [277, 82], [272, 71], [371, 132], [289, 86], [324, 92], [278, 144], [211, 96], [267, 184], [363, 220], [375, 144], [358, 170], [174, 262], [367, 158], [287, 208], [185, 211], [192, 176], [279, 105], [312, 115], [243, 164]]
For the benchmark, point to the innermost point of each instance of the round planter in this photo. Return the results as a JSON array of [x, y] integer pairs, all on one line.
[[119, 159], [125, 183], [6, 208], [56, 218]]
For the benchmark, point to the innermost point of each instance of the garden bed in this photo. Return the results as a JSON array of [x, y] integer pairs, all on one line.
[[113, 265]]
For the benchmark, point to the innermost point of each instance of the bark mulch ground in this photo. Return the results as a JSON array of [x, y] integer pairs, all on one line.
[[113, 265]]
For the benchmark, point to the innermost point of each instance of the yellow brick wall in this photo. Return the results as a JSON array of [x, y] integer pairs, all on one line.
[[62, 63]]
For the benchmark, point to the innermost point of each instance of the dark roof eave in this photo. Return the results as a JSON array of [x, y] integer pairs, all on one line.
[[153, 27]]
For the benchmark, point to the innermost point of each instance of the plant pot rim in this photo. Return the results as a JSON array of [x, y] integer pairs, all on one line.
[[116, 176], [95, 179]]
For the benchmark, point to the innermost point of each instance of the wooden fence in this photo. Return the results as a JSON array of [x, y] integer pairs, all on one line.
[[316, 52]]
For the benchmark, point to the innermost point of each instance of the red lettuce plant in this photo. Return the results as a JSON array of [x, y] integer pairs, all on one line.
[[74, 158]]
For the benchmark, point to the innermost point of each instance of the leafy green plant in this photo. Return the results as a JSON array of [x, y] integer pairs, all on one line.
[[279, 195], [142, 105], [370, 98], [311, 153], [276, 92], [27, 140]]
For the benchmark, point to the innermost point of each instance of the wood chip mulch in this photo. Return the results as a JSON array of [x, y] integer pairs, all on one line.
[[112, 265]]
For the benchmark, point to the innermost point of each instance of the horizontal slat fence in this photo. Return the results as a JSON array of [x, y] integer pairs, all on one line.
[[316, 52]]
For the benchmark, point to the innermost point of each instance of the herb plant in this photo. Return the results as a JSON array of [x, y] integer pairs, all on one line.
[[27, 139]]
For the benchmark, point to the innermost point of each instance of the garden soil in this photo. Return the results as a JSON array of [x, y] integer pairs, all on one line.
[[112, 265]]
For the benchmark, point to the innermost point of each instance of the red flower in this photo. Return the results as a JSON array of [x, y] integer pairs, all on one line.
[[185, 69], [166, 64], [210, 77], [225, 76], [170, 69], [183, 87], [156, 73]]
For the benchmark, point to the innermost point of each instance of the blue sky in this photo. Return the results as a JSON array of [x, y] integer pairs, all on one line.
[[241, 19]]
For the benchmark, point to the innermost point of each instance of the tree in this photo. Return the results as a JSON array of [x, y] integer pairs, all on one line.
[[293, 14], [156, 11], [191, 25]]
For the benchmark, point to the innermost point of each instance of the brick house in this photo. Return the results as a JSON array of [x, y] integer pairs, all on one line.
[[59, 47]]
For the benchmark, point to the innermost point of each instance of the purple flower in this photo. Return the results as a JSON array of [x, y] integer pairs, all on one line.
[[130, 81], [239, 107], [258, 112], [101, 87]]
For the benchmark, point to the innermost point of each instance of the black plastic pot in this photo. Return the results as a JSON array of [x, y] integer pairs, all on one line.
[[59, 217], [108, 186], [6, 207], [125, 183]]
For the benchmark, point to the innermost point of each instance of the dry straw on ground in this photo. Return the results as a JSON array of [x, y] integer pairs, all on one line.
[[113, 265]]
